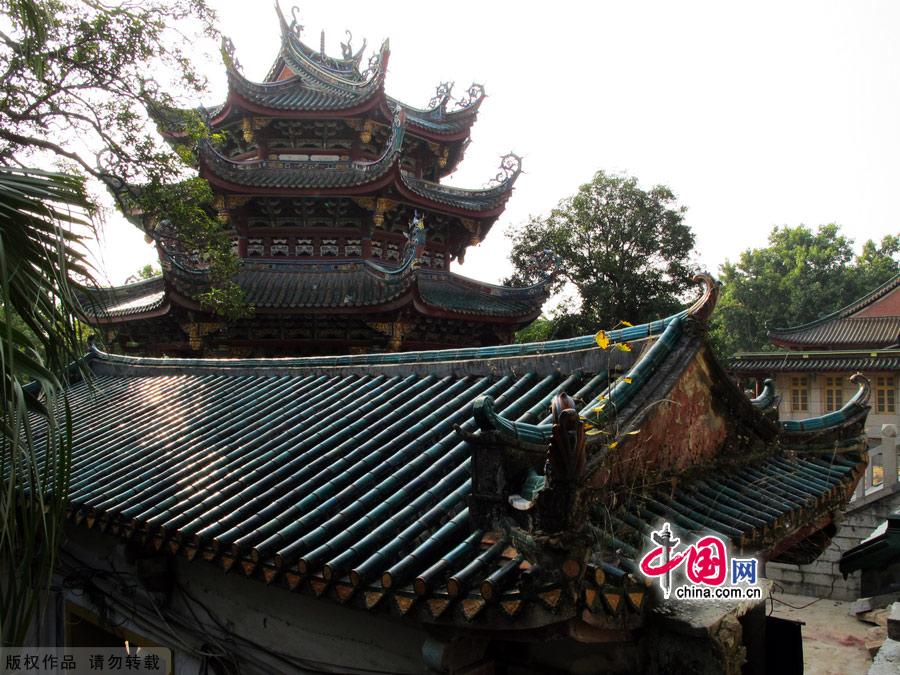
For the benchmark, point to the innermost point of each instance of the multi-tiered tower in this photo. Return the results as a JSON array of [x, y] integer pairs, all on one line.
[[331, 192]]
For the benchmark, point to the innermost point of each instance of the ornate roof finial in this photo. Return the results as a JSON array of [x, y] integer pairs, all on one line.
[[703, 307], [228, 54], [376, 61], [322, 45], [442, 94], [474, 94], [346, 48], [510, 168], [295, 26], [865, 388]]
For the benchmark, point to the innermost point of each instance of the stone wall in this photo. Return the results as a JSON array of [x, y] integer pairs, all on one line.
[[823, 579]]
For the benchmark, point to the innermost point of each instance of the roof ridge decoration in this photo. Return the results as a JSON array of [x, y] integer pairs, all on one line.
[[619, 394], [509, 170], [846, 311], [857, 405], [442, 94], [228, 55], [498, 187], [767, 398], [347, 49], [343, 72]]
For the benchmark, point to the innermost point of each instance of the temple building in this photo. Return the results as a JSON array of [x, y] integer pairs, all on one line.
[[812, 368], [331, 193]]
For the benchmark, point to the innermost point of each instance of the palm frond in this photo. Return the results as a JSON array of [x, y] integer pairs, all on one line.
[[39, 338]]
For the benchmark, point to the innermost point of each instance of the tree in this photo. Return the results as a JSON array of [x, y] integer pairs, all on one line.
[[143, 273], [625, 251], [78, 79], [799, 277], [539, 330]]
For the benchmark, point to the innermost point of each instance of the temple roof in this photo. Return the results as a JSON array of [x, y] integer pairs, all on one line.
[[140, 299], [295, 286], [879, 551], [873, 321], [361, 478], [815, 361], [293, 94], [264, 176]]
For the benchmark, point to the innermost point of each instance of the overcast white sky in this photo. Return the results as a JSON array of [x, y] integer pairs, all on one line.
[[755, 114]]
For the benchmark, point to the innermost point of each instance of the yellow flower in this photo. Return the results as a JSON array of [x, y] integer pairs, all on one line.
[[623, 346], [627, 380], [613, 445], [602, 340]]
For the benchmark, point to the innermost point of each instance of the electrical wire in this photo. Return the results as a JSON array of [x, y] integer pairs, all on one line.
[[201, 630]]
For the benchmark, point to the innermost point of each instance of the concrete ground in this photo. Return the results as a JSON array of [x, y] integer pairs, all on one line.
[[833, 640]]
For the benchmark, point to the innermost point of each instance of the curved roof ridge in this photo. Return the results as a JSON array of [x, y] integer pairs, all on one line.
[[129, 285], [279, 93], [843, 312], [857, 405], [503, 290], [466, 106], [509, 172], [237, 81], [296, 56]]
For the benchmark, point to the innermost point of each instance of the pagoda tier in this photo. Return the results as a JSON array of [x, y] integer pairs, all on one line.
[[311, 102], [321, 208], [310, 307]]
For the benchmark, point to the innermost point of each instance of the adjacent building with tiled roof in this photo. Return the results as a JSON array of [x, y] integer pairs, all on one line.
[[437, 511], [331, 193], [812, 369]]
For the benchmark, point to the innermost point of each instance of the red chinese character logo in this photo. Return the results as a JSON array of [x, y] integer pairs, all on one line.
[[706, 560], [706, 563]]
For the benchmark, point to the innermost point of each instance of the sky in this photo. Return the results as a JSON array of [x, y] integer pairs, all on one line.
[[754, 114]]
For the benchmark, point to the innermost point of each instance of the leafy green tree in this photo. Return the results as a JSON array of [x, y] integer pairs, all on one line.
[[146, 272], [624, 250], [539, 330], [78, 80], [800, 276]]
